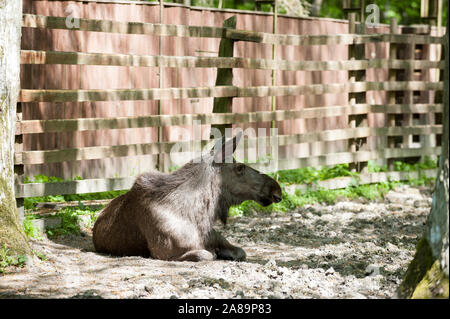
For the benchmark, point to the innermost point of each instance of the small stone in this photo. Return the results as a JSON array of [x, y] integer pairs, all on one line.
[[394, 207], [148, 289], [253, 223], [88, 294], [356, 295], [52, 222], [329, 271], [239, 293], [84, 221], [271, 264], [372, 270], [46, 223], [421, 203]]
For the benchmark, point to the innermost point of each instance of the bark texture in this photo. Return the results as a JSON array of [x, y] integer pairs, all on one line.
[[11, 233]]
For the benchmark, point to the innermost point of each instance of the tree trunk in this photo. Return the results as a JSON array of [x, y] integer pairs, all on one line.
[[427, 275], [11, 233], [315, 8]]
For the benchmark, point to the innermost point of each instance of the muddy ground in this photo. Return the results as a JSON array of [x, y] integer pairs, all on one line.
[[352, 249]]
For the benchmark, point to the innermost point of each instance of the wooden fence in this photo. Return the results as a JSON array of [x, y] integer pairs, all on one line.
[[399, 93]]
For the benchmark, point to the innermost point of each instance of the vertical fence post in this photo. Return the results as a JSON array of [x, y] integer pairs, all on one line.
[[19, 169], [391, 95], [274, 55], [160, 157], [408, 53], [432, 11], [348, 8], [225, 76], [357, 52]]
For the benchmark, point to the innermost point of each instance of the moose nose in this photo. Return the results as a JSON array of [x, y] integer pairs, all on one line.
[[277, 197]]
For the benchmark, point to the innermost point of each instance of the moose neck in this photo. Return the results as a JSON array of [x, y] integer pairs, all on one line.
[[200, 195]]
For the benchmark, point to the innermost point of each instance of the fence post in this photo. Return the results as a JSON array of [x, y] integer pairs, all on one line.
[[225, 77], [392, 95], [161, 158], [274, 56], [357, 52], [431, 11], [19, 169], [408, 53]]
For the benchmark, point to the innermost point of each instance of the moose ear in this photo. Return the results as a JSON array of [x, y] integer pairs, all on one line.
[[223, 151]]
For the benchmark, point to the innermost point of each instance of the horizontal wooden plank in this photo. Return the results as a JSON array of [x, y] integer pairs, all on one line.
[[124, 94], [359, 132], [28, 95], [99, 152], [363, 179], [87, 124], [73, 187], [405, 108], [39, 21], [82, 58], [95, 152]]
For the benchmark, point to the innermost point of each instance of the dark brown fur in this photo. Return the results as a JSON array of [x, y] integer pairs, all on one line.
[[171, 216]]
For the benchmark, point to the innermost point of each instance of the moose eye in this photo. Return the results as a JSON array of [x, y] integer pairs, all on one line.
[[240, 168]]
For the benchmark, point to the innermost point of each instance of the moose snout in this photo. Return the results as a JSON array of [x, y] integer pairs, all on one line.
[[276, 198], [276, 194]]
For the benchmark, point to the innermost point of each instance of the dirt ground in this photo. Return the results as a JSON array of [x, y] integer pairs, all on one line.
[[353, 249]]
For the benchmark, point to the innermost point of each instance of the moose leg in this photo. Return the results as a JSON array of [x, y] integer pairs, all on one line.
[[225, 250]]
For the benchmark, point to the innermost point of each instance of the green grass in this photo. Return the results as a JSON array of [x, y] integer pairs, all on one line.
[[6, 260], [29, 228], [69, 221], [309, 175]]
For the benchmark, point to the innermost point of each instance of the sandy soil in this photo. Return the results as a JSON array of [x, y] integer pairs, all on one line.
[[353, 249]]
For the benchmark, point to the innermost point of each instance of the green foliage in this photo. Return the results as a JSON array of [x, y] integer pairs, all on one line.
[[428, 163], [6, 260], [309, 175], [374, 168], [173, 168], [30, 229], [406, 12], [40, 255], [69, 220]]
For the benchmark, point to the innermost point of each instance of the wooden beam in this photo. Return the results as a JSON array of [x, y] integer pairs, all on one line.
[[89, 124], [99, 152], [28, 95], [82, 58], [39, 21]]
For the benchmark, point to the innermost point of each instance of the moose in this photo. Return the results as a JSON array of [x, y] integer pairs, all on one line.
[[171, 216]]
